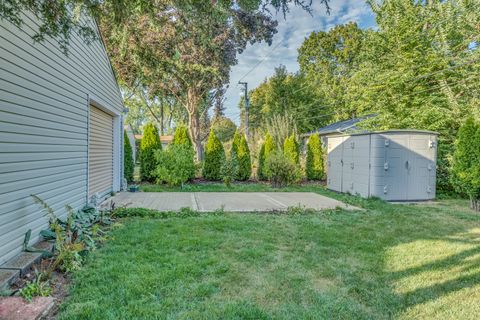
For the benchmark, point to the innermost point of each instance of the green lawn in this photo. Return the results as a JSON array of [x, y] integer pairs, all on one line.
[[234, 187], [390, 261]]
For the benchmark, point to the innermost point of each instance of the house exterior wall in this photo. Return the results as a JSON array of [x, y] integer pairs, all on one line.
[[44, 111], [392, 165]]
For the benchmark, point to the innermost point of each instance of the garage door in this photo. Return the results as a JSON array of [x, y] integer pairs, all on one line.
[[100, 152]]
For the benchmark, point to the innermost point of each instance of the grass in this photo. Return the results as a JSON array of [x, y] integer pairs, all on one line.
[[390, 261]]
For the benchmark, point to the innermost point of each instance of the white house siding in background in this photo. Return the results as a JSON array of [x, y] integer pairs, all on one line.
[[45, 99]]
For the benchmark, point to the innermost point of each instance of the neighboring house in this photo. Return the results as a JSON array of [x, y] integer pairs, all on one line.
[[61, 127], [338, 127], [164, 140]]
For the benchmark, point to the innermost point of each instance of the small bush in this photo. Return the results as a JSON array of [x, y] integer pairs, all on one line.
[[314, 164], [242, 152], [148, 147], [175, 164], [267, 148], [214, 158], [128, 164], [466, 162], [280, 171], [290, 149], [40, 287], [229, 169]]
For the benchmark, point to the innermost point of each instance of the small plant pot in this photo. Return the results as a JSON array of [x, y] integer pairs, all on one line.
[[133, 188]]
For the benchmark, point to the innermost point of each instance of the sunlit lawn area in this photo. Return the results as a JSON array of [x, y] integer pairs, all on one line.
[[390, 261]]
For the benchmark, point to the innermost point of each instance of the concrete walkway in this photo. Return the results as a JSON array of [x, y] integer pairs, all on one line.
[[229, 201]]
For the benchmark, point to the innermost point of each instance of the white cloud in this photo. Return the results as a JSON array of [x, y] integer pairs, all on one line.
[[291, 33]]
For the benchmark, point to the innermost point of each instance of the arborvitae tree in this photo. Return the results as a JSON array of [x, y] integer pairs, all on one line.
[[241, 151], [314, 163], [128, 164], [181, 136], [214, 158], [261, 163], [290, 149], [267, 149], [149, 145], [466, 162]]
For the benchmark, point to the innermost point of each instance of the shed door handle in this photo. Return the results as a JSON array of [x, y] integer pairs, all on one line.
[[407, 165]]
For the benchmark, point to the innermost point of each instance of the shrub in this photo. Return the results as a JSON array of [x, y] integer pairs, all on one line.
[[466, 162], [290, 149], [267, 148], [175, 164], [224, 128], [214, 158], [128, 164], [148, 147], [229, 169], [261, 163], [181, 136], [242, 153], [314, 163], [281, 171]]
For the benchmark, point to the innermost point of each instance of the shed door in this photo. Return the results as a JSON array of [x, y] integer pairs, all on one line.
[[335, 163], [100, 152]]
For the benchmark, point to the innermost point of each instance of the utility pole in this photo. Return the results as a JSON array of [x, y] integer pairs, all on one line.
[[247, 105]]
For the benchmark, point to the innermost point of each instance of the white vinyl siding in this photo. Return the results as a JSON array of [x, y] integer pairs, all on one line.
[[100, 152], [44, 111]]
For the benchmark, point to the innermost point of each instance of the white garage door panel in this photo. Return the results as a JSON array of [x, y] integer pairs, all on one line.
[[100, 152]]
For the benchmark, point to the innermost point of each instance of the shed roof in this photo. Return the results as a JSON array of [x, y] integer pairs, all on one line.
[[340, 127]]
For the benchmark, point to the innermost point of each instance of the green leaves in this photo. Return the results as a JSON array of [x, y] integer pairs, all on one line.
[[214, 158], [314, 163], [175, 164], [128, 165], [148, 146], [241, 152]]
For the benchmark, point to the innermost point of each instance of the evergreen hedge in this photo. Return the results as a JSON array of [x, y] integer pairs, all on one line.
[[290, 149], [128, 164], [466, 162], [267, 149], [314, 163], [241, 151], [148, 147], [214, 158]]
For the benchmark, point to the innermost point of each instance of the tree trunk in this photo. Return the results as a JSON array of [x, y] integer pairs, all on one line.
[[474, 204], [162, 125], [194, 130]]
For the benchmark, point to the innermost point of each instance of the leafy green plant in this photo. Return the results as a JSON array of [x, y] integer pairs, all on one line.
[[128, 164], [39, 287], [181, 137], [242, 153], [261, 163], [466, 162], [229, 169], [280, 171], [214, 158], [314, 163], [148, 147], [74, 236], [290, 149], [175, 164]]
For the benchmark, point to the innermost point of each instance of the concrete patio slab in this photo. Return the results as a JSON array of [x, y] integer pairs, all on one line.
[[229, 201], [16, 308]]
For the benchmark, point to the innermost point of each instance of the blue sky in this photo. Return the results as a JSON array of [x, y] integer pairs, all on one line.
[[291, 33]]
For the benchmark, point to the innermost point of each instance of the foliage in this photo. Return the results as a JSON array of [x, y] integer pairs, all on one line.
[[224, 128], [466, 162], [314, 162], [74, 236], [285, 93], [39, 287], [175, 165], [181, 137], [214, 158], [280, 127], [291, 150], [241, 152], [261, 163], [150, 213], [128, 164], [230, 168], [148, 147], [281, 171]]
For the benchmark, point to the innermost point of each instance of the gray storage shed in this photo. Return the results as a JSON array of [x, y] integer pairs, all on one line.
[[395, 165]]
